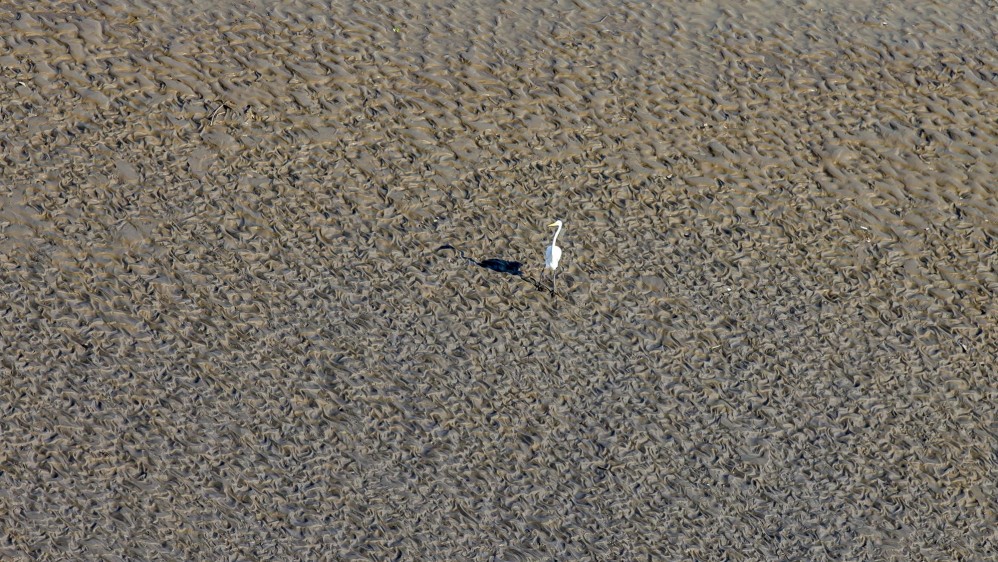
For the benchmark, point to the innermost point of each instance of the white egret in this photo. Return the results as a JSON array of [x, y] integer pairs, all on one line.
[[552, 255]]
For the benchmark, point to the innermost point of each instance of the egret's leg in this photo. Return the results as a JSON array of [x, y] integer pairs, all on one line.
[[554, 282]]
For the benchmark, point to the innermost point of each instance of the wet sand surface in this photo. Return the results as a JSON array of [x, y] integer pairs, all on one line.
[[225, 332]]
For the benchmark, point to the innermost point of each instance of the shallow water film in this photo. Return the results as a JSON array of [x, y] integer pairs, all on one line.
[[227, 333]]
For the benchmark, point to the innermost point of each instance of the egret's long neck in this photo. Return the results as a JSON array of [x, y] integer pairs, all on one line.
[[554, 241]]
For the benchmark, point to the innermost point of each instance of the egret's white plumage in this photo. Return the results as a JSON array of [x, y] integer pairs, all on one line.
[[552, 255]]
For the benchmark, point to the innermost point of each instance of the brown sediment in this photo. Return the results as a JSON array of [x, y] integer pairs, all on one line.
[[225, 330]]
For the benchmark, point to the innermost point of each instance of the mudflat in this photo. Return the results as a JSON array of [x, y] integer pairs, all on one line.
[[226, 330]]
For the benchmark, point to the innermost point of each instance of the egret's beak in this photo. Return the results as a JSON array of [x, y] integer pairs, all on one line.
[[553, 224]]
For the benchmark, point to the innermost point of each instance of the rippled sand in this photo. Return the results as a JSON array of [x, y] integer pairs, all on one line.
[[225, 332]]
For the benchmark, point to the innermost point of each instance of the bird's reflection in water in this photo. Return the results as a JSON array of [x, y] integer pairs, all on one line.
[[502, 266]]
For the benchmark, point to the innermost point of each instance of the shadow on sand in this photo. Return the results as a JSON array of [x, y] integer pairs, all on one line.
[[499, 265]]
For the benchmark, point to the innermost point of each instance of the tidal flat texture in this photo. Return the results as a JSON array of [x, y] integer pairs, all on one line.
[[226, 332]]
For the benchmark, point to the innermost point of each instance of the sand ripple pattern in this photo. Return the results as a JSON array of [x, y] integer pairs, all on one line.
[[225, 333]]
